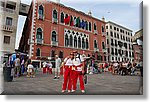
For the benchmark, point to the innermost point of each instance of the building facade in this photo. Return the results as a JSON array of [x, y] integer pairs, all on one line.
[[52, 28], [119, 43], [9, 11]]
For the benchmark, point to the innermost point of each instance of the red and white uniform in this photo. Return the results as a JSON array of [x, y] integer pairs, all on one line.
[[67, 73], [77, 73]]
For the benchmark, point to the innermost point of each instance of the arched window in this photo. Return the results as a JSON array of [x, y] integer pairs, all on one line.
[[38, 52], [54, 14], [39, 33], [83, 43], [41, 12], [90, 26], [87, 44], [79, 42], [71, 39], [62, 18], [75, 42], [78, 22], [39, 36], [86, 25], [54, 36], [66, 40], [103, 29], [95, 44]]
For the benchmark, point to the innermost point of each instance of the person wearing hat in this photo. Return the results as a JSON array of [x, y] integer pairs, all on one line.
[[67, 68], [57, 67], [78, 71]]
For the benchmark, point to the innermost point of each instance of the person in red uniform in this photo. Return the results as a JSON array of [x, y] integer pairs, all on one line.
[[68, 63], [78, 71]]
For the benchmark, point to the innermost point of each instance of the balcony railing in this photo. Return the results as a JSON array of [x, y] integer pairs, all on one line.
[[7, 10], [54, 43], [7, 28], [55, 20], [96, 50], [39, 41]]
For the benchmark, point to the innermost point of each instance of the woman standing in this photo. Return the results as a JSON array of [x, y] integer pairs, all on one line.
[[67, 68]]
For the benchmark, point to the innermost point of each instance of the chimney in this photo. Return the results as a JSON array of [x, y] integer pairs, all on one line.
[[103, 19], [90, 13]]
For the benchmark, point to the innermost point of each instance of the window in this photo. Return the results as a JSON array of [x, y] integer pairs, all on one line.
[[87, 44], [79, 42], [112, 42], [115, 35], [78, 21], [103, 45], [95, 27], [115, 42], [9, 21], [106, 27], [66, 40], [2, 4], [6, 39], [41, 12], [103, 29], [104, 58], [83, 43], [114, 28], [117, 29], [108, 50], [54, 36], [95, 44], [111, 34], [86, 25], [118, 36], [90, 26], [116, 53], [112, 51], [54, 14], [38, 52], [71, 39], [61, 54], [75, 42], [62, 18], [107, 41], [110, 27], [39, 33], [10, 6]]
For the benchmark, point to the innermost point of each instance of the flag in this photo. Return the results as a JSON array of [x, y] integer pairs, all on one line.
[[67, 20]]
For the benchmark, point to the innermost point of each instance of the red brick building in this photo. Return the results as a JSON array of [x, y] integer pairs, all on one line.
[[52, 28], [138, 52]]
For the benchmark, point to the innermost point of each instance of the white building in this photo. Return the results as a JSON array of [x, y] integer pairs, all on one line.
[[119, 42], [9, 11]]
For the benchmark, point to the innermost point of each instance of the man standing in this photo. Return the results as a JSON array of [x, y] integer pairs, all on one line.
[[57, 67], [17, 66]]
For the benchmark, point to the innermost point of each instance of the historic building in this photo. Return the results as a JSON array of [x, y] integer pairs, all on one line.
[[119, 42], [9, 12], [138, 46], [52, 28]]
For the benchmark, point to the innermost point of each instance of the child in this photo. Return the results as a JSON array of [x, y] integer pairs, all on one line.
[[30, 70]]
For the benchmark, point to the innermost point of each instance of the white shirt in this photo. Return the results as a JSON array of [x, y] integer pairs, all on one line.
[[50, 65], [77, 62], [58, 62], [68, 62], [115, 64], [44, 64]]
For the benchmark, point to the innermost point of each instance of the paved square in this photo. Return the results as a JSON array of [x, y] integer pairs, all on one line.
[[101, 84]]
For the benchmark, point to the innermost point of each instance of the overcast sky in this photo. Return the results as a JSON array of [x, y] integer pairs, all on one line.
[[122, 12]]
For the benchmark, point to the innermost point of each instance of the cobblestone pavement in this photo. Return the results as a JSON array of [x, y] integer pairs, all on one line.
[[102, 84]]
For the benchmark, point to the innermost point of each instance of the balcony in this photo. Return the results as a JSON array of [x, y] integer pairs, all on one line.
[[7, 10], [103, 34], [96, 50], [55, 20], [7, 28], [54, 43], [95, 32], [39, 41]]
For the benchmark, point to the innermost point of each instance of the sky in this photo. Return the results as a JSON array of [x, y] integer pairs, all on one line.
[[122, 12]]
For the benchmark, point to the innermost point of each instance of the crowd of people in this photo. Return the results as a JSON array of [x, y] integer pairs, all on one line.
[[122, 68]]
